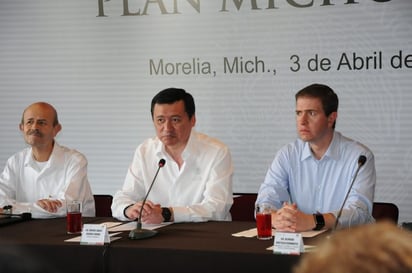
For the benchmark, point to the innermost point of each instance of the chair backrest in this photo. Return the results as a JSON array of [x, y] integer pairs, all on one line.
[[243, 207], [382, 211], [103, 204]]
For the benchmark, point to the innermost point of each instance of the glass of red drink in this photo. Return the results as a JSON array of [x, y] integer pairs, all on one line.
[[74, 217], [264, 221]]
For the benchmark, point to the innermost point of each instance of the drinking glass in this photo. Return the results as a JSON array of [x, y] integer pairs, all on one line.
[[74, 217], [264, 221]]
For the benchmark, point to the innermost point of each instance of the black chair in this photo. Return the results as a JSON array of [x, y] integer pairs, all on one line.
[[385, 211], [243, 207], [103, 204]]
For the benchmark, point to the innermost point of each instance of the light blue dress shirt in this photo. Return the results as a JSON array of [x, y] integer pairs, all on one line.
[[295, 175]]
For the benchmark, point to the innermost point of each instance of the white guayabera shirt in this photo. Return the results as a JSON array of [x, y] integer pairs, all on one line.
[[62, 177]]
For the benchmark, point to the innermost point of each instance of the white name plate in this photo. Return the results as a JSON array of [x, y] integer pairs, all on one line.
[[94, 234], [288, 243]]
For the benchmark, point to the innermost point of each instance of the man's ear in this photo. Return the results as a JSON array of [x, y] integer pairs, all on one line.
[[57, 129], [332, 118]]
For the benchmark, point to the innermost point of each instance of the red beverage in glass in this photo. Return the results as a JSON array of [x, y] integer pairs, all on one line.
[[74, 222], [264, 225]]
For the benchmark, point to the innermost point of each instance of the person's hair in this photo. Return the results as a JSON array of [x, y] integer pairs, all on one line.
[[44, 104], [329, 99], [172, 95], [381, 247]]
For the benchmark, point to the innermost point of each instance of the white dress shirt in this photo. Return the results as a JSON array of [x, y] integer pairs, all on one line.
[[200, 191], [64, 177]]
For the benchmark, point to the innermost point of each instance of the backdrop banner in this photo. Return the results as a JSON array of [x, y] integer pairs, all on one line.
[[100, 63]]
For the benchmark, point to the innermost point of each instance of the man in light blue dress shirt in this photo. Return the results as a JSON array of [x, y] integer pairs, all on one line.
[[309, 178]]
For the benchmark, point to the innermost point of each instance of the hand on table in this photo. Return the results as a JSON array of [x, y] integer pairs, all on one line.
[[290, 219]]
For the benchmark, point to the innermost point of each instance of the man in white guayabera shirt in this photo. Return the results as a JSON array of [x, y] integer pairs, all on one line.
[[44, 176], [195, 183]]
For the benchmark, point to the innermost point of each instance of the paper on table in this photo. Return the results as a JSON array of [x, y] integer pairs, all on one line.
[[118, 227], [307, 248], [249, 233], [132, 225], [111, 224], [312, 233], [78, 238]]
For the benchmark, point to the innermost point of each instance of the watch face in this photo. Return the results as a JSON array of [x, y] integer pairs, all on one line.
[[166, 214], [320, 221]]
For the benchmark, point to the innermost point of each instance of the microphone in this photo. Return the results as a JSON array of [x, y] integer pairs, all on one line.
[[139, 232], [23, 216], [361, 162]]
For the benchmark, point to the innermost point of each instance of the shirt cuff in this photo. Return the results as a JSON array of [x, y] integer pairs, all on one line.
[[124, 211]]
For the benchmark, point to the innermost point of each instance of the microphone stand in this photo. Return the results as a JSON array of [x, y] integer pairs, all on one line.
[[24, 215], [361, 162], [140, 233]]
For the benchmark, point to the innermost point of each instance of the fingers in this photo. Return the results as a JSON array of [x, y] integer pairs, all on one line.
[[290, 219], [285, 219], [49, 205], [289, 206], [148, 208], [133, 212], [154, 217]]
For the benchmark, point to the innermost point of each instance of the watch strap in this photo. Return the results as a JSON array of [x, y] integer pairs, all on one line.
[[319, 221], [167, 214]]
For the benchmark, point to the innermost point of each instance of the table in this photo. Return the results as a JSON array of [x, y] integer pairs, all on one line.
[[182, 247]]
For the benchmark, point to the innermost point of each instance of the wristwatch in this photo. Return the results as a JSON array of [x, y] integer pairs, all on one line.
[[319, 221], [167, 214]]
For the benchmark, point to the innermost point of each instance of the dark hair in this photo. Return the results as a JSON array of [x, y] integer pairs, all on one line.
[[329, 99], [171, 95]]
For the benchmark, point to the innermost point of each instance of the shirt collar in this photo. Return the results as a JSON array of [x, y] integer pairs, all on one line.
[[189, 149], [331, 152], [191, 146], [54, 156]]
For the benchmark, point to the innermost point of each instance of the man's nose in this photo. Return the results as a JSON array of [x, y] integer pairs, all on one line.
[[33, 126], [303, 119], [168, 125]]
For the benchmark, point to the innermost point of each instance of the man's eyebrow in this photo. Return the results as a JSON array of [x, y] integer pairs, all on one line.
[[306, 110], [172, 116], [40, 119]]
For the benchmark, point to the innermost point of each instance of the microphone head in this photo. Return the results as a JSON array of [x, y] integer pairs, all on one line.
[[361, 160], [162, 162]]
